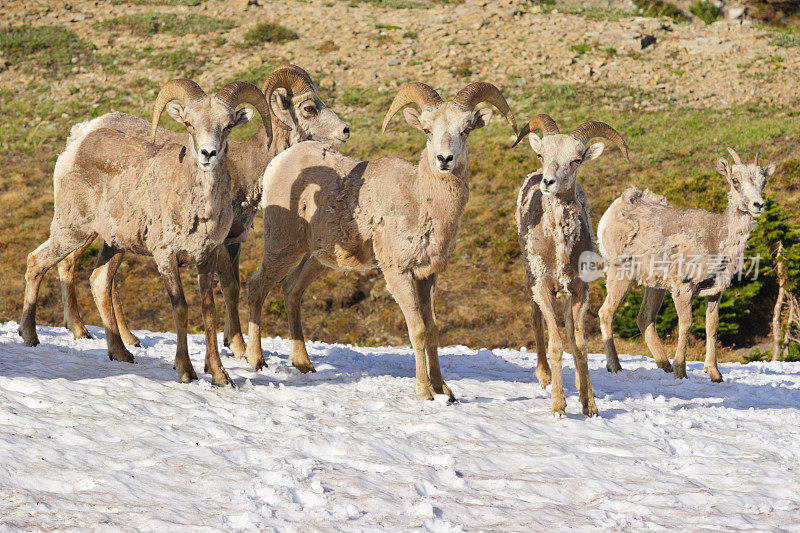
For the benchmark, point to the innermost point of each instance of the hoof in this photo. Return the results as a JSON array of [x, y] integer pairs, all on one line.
[[133, 341], [444, 389], [79, 331], [123, 356], [223, 380], [257, 361], [188, 377], [238, 347], [559, 407], [544, 377], [424, 391], [590, 408], [680, 371], [29, 336], [614, 367], [714, 374], [304, 366], [665, 366]]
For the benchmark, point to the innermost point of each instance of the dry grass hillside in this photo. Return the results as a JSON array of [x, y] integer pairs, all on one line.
[[679, 92]]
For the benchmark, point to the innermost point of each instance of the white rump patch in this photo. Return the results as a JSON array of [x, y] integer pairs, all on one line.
[[67, 157]]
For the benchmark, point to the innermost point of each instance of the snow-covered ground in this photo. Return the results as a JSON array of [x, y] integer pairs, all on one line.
[[90, 443]]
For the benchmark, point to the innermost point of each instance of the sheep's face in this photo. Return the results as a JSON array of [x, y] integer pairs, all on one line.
[[746, 182], [447, 127], [209, 122], [561, 156], [310, 118]]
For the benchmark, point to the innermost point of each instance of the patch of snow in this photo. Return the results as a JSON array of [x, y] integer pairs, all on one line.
[[88, 443]]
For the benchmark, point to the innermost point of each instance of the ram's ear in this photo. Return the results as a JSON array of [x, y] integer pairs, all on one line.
[[593, 152], [482, 118], [243, 116], [175, 110], [412, 117], [769, 170], [723, 167], [281, 105], [536, 143]]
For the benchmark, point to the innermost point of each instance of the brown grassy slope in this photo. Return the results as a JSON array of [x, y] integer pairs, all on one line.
[[482, 298]]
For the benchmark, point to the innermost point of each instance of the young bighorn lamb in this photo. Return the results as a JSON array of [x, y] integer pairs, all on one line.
[[554, 230], [171, 201], [298, 114], [324, 210], [686, 251]]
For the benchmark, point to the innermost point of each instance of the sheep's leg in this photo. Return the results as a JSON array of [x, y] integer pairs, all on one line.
[[542, 367], [555, 348], [101, 282], [580, 352], [66, 277], [294, 287], [401, 286], [42, 259], [205, 276], [228, 271], [170, 274], [617, 288], [712, 324], [426, 296], [273, 269], [683, 304], [646, 320], [122, 324], [229, 283]]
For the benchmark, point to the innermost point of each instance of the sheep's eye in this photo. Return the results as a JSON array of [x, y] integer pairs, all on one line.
[[734, 181], [466, 131], [576, 162], [187, 124], [427, 131], [309, 109]]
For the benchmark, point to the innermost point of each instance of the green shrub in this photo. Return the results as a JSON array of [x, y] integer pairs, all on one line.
[[50, 46], [269, 32], [159, 2], [705, 11], [146, 24], [660, 8], [581, 48]]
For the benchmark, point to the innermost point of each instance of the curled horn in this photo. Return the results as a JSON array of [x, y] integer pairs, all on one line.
[[290, 77], [592, 129], [481, 91], [543, 122], [412, 93], [241, 92], [186, 91], [736, 159]]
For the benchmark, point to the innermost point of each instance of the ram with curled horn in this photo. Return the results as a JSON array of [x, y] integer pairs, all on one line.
[[342, 213], [298, 114], [555, 234], [148, 195]]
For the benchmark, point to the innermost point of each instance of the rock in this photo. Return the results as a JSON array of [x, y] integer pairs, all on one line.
[[646, 40], [734, 13], [393, 62]]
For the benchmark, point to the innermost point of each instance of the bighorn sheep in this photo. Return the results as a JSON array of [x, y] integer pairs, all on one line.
[[324, 210], [298, 114], [554, 230], [171, 201], [686, 251]]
